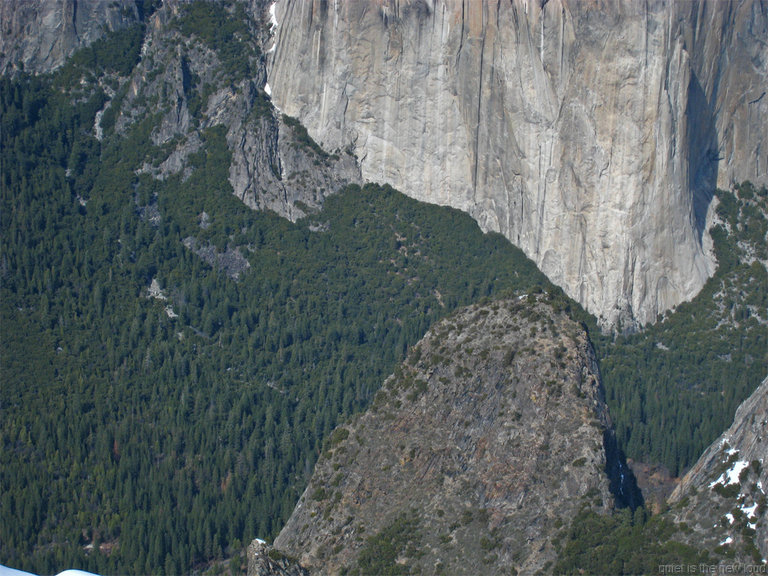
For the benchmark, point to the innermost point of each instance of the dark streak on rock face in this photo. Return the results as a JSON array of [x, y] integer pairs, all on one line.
[[590, 134]]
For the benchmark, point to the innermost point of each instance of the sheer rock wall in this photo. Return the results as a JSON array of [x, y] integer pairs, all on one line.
[[591, 134]]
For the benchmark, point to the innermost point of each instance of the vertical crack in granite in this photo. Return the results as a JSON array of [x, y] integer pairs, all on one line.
[[570, 128]]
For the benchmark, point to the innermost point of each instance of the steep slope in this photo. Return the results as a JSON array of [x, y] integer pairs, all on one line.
[[723, 497], [675, 387], [39, 35], [475, 453], [591, 135], [202, 66]]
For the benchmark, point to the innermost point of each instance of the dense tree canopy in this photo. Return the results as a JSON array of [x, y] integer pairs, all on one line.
[[159, 432]]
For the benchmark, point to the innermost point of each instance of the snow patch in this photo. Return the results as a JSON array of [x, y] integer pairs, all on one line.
[[268, 89], [273, 24], [729, 517], [731, 476], [261, 542], [749, 511], [726, 541]]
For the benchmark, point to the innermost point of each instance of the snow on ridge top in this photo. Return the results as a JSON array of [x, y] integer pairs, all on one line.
[[731, 476]]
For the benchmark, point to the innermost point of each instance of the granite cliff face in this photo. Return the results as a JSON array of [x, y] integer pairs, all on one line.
[[188, 87], [474, 455], [590, 134], [39, 35], [185, 85], [723, 497]]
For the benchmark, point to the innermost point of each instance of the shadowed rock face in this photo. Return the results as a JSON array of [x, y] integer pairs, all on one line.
[[41, 34], [475, 453], [723, 497], [591, 134]]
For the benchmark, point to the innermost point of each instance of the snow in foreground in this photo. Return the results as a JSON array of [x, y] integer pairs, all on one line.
[[5, 571]]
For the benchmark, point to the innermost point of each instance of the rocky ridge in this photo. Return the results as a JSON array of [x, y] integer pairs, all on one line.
[[192, 87], [723, 497], [474, 455], [590, 134], [184, 84], [39, 35], [263, 560]]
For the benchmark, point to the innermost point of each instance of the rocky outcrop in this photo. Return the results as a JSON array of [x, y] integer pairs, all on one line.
[[590, 134], [723, 497], [39, 35], [184, 83], [263, 560], [275, 167], [475, 453]]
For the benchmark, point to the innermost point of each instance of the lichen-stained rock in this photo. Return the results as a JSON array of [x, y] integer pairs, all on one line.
[[475, 454], [723, 497], [591, 134]]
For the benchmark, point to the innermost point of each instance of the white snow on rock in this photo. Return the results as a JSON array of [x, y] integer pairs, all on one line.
[[749, 511], [731, 476], [273, 18]]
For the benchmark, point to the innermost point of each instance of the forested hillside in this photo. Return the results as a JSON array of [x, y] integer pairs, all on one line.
[[166, 430], [675, 386], [171, 361]]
